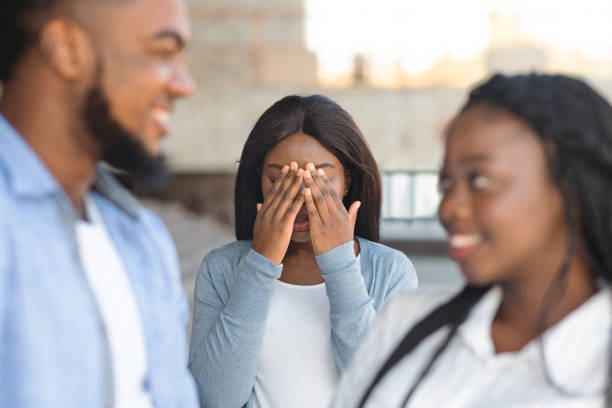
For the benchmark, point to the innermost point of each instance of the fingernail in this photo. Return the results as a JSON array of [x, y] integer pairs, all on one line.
[[321, 172], [310, 167], [307, 174], [285, 169], [307, 191], [294, 166], [300, 172]]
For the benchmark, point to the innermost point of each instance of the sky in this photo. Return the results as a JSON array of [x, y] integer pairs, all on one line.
[[417, 34]]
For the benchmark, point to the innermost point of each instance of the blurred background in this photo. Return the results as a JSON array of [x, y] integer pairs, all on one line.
[[401, 68]]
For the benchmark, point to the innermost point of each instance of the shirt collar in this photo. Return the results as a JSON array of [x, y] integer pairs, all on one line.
[[475, 332], [109, 187], [572, 344], [28, 176], [577, 348]]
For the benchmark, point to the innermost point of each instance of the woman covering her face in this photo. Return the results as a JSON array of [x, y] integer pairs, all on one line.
[[526, 201], [279, 312]]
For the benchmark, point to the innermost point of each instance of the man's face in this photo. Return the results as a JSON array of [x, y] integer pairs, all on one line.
[[141, 72]]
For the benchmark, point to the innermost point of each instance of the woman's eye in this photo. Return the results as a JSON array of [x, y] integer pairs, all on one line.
[[479, 182]]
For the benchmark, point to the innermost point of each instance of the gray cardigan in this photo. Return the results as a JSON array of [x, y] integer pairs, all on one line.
[[232, 296]]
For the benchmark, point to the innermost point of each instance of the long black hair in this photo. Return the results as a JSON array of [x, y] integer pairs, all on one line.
[[323, 119], [576, 121]]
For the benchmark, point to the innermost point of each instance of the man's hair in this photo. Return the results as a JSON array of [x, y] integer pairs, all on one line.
[[17, 31], [323, 119], [576, 122], [20, 25]]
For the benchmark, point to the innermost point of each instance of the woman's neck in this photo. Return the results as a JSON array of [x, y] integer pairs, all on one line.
[[536, 296], [300, 266]]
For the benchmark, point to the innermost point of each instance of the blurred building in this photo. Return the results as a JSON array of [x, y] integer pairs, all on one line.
[[246, 54], [244, 43], [510, 50]]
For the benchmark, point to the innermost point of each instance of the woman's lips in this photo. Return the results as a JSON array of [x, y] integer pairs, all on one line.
[[460, 246], [301, 223]]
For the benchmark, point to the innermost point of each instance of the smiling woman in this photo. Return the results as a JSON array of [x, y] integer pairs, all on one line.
[[525, 201], [278, 313]]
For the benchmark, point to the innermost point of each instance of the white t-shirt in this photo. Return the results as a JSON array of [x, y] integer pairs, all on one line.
[[296, 365], [117, 304], [470, 373]]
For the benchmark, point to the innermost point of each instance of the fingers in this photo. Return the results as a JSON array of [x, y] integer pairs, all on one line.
[[313, 214], [288, 201], [327, 189], [319, 193], [282, 192], [258, 207], [334, 199], [295, 208], [352, 212], [276, 187]]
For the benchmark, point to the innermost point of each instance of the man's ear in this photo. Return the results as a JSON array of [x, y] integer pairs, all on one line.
[[67, 48], [348, 177]]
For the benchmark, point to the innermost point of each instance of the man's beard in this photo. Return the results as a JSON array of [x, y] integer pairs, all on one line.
[[119, 148]]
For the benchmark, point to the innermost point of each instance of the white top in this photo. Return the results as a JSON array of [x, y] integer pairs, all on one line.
[[113, 293], [296, 365], [469, 373]]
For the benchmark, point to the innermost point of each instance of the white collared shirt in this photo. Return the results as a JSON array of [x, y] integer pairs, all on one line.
[[469, 373]]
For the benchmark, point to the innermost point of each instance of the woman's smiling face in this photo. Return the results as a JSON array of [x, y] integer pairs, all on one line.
[[502, 211], [302, 149]]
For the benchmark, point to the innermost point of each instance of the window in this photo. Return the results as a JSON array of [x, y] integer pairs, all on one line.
[[410, 195]]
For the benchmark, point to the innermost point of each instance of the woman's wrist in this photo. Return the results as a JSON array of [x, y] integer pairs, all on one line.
[[336, 258]]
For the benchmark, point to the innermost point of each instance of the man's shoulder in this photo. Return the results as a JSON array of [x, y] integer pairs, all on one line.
[[110, 188], [150, 219], [7, 200], [5, 217], [4, 186]]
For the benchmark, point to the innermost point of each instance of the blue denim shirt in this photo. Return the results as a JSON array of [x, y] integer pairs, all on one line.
[[53, 348]]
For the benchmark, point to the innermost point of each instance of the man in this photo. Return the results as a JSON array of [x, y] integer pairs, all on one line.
[[92, 312]]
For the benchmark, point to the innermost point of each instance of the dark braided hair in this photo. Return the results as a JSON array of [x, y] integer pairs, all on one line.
[[576, 121]]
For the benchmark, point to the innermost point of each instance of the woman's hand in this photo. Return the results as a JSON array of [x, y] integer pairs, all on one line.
[[330, 224], [275, 217]]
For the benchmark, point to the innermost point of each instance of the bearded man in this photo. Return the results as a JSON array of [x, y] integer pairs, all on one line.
[[92, 312]]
